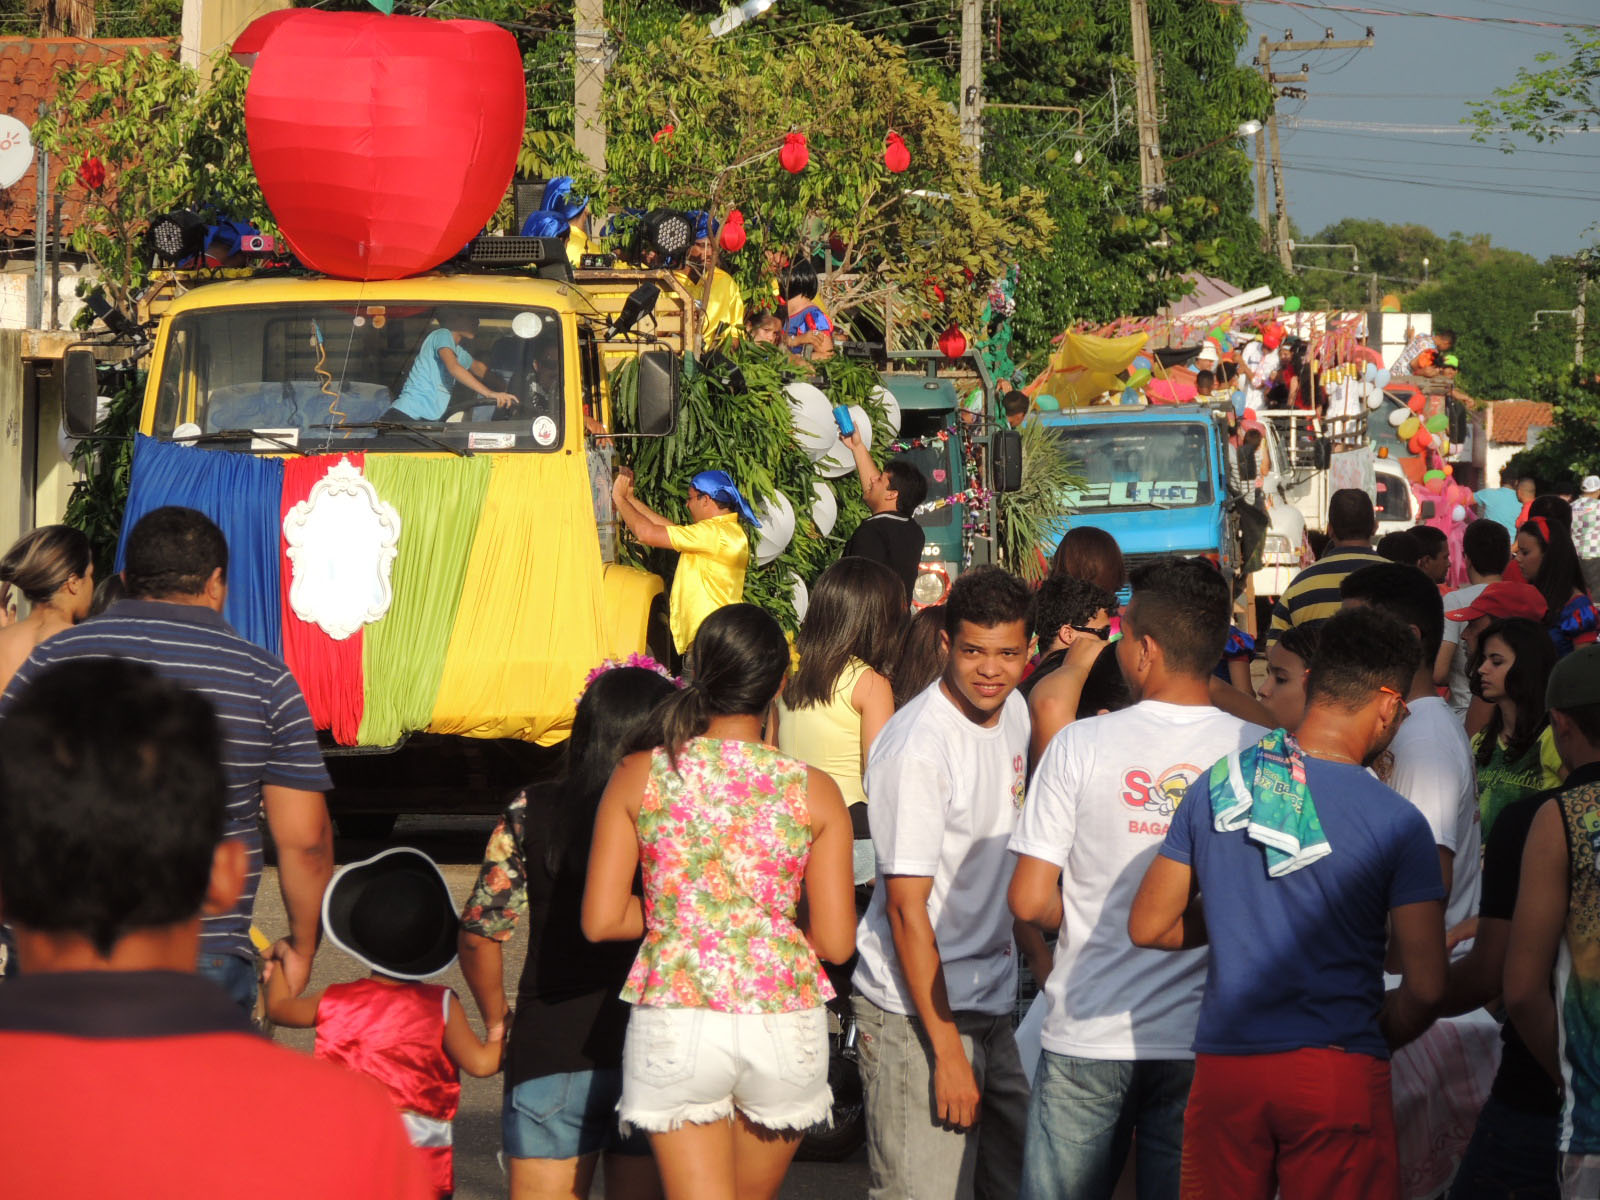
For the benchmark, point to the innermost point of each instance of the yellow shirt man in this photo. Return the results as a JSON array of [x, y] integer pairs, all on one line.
[[713, 556], [713, 550]]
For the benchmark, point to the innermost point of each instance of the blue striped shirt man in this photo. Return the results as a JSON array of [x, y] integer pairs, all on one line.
[[267, 735]]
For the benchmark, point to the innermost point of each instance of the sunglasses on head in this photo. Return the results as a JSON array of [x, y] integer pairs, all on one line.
[[1405, 709]]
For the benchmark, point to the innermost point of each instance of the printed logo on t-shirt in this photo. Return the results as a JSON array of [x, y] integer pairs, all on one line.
[[1157, 796], [1019, 783]]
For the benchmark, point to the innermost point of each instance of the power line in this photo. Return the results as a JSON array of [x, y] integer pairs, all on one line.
[[1305, 6]]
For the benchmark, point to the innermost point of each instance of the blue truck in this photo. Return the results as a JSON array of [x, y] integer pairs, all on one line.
[[1154, 477]]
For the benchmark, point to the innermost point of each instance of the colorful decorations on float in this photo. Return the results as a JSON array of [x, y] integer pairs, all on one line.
[[952, 342], [382, 144]]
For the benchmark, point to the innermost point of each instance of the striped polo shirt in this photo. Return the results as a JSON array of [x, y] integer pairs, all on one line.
[[1313, 595], [267, 735]]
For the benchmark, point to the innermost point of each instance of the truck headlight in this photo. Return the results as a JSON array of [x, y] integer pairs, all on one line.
[[932, 584]]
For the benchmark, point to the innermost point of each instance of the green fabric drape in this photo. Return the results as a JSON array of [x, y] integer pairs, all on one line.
[[439, 500]]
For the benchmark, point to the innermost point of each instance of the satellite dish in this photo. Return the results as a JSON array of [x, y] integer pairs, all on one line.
[[16, 150]]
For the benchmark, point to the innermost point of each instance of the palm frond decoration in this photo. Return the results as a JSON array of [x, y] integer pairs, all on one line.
[[1035, 516]]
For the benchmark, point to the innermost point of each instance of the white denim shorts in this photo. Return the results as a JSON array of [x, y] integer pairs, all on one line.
[[699, 1065]]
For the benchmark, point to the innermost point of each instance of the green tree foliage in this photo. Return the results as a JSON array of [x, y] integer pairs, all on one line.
[[729, 103], [1108, 256], [163, 141], [1546, 102]]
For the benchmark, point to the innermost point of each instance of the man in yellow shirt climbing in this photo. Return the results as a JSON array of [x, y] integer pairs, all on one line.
[[713, 550]]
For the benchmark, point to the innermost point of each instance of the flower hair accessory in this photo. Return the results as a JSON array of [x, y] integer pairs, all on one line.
[[643, 661]]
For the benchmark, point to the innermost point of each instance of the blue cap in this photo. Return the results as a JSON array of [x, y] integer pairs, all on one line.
[[720, 487], [557, 210]]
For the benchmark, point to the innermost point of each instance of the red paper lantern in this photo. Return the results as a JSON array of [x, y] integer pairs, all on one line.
[[952, 342], [382, 143], [733, 236], [795, 155], [895, 155], [92, 174]]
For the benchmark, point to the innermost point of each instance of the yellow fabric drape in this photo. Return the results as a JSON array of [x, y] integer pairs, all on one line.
[[1084, 366], [529, 625]]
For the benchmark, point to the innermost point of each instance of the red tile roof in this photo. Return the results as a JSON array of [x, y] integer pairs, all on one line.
[[1510, 420], [29, 68]]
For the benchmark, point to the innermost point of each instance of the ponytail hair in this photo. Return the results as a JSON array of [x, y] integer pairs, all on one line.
[[40, 563], [740, 656]]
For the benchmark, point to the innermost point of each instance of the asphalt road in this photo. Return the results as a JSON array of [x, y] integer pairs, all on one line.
[[456, 843]]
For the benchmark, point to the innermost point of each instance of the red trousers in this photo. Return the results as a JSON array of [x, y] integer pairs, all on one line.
[[1307, 1123]]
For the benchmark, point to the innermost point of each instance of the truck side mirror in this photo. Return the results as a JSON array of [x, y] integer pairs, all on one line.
[[80, 386], [658, 393], [1005, 452]]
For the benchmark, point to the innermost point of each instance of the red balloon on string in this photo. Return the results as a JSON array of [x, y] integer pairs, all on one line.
[[952, 342], [382, 144], [733, 235], [795, 155], [895, 155], [92, 174]]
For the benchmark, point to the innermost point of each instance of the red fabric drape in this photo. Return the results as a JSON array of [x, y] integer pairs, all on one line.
[[329, 672]]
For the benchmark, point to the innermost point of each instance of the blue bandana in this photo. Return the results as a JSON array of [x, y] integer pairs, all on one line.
[[557, 210], [705, 225], [720, 487]]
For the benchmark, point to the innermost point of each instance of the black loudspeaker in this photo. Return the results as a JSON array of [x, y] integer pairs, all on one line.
[[1005, 449]]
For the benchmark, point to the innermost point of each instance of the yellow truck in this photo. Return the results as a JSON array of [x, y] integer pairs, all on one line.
[[439, 583]]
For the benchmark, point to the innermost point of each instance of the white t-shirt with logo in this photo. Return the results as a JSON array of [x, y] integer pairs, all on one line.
[[1101, 800], [942, 799], [1433, 769], [1460, 693]]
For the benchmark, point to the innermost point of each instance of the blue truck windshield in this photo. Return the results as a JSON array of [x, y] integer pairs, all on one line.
[[1132, 466]]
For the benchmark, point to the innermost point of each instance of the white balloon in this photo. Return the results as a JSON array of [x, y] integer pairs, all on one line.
[[863, 424], [891, 407], [802, 597], [1458, 514], [825, 509], [815, 430], [1375, 399], [1399, 416], [777, 528], [837, 463]]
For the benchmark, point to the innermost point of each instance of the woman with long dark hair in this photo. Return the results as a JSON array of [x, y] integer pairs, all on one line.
[[54, 570], [1516, 752], [839, 695], [1092, 555], [726, 1061], [563, 1064], [1549, 561], [922, 654]]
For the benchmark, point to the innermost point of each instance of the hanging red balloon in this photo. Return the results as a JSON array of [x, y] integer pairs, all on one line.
[[92, 174], [665, 131], [895, 155], [952, 342], [795, 154], [733, 235], [382, 144]]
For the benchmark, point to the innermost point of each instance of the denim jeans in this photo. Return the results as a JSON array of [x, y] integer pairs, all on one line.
[[1512, 1156], [1082, 1118], [234, 975], [910, 1155]]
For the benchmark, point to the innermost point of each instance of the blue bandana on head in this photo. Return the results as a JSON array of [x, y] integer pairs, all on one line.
[[705, 225], [720, 487], [557, 210]]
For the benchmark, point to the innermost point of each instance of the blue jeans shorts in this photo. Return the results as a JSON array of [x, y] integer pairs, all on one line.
[[566, 1116]]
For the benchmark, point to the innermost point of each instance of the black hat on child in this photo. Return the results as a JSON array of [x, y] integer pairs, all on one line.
[[394, 913]]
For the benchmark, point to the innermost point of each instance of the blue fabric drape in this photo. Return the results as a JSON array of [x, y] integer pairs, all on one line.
[[242, 494]]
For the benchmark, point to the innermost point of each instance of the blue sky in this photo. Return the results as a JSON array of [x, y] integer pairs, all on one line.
[[1341, 161]]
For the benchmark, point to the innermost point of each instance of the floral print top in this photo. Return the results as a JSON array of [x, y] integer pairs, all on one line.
[[723, 842]]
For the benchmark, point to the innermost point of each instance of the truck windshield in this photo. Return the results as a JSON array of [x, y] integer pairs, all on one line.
[[1146, 465], [311, 373]]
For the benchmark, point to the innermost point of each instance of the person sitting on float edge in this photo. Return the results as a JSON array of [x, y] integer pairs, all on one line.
[[440, 360]]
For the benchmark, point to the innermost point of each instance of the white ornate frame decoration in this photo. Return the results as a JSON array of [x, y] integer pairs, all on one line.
[[342, 544]]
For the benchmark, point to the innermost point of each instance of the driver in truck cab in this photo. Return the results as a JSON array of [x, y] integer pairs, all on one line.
[[441, 362]]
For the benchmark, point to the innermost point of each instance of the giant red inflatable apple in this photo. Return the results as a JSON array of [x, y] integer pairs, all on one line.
[[382, 143]]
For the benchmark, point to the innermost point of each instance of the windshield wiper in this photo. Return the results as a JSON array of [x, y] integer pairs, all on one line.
[[234, 435], [400, 427]]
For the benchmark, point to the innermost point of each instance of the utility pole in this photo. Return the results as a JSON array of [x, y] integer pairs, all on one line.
[[1261, 167], [1289, 46], [972, 76], [1152, 172], [589, 81]]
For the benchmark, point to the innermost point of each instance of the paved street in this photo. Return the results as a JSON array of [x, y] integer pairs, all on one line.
[[457, 844]]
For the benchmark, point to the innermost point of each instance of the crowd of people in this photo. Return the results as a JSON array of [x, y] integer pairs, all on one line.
[[1332, 934]]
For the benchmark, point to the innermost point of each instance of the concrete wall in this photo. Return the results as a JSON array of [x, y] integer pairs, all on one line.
[[209, 27], [16, 289], [16, 466]]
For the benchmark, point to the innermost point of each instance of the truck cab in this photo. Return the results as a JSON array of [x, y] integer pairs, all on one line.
[[1155, 478]]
